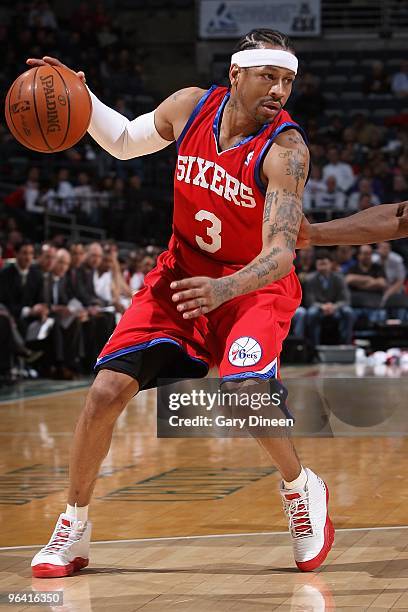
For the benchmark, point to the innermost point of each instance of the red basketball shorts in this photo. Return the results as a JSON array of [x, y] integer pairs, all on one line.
[[242, 337]]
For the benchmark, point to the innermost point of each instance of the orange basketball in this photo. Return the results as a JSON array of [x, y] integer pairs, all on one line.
[[48, 109]]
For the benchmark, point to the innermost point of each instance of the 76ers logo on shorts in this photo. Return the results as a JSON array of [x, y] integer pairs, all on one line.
[[244, 351]]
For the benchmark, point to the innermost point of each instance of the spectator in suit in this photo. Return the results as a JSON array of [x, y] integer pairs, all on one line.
[[327, 296], [44, 264], [21, 288], [65, 336], [367, 283]]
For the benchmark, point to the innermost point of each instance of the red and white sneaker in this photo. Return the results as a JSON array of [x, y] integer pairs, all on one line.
[[66, 552], [309, 523]]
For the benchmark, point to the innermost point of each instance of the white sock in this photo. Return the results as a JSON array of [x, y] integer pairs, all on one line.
[[298, 483], [77, 513]]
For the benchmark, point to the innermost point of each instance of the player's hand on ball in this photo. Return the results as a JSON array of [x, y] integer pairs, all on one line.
[[53, 61], [196, 296]]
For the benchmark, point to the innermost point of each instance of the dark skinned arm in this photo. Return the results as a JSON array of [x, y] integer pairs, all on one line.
[[382, 222]]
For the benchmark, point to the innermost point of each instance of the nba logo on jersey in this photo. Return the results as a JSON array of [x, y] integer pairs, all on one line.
[[249, 157], [244, 351]]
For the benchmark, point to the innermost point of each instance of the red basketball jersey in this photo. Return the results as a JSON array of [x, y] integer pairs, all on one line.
[[219, 195]]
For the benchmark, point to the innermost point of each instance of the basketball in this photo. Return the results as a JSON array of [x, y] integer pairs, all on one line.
[[48, 109]]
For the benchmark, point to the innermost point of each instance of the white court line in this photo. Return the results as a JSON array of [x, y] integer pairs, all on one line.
[[215, 535], [27, 398]]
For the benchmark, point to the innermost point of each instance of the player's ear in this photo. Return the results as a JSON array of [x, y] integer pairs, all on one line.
[[234, 74]]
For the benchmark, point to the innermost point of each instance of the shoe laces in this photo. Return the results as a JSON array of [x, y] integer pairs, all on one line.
[[297, 511], [65, 535]]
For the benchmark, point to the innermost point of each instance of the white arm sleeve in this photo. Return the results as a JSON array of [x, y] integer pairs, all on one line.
[[122, 138]]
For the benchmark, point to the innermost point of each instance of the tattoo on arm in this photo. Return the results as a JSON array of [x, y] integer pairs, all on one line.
[[286, 218], [270, 198], [296, 166]]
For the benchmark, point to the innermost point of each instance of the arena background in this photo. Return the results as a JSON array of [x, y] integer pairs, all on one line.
[[97, 225]]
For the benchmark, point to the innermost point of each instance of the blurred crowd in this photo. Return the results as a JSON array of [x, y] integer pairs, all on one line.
[[60, 299], [347, 289], [59, 305]]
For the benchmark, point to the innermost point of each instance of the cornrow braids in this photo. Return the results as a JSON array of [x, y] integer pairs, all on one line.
[[255, 38]]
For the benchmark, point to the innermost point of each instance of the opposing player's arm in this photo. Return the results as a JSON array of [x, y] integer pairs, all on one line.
[[285, 168], [382, 222]]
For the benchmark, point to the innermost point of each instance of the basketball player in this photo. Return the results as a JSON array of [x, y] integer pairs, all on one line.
[[227, 274]]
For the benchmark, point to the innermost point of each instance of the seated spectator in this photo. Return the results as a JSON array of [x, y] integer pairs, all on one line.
[[21, 289], [399, 83], [332, 198], [344, 258], [100, 322], [399, 191], [86, 204], [41, 15], [367, 283], [313, 187], [395, 274], [364, 130], [342, 172], [364, 201], [378, 82], [304, 263], [327, 296], [62, 198], [32, 191], [364, 188], [110, 284], [65, 338]]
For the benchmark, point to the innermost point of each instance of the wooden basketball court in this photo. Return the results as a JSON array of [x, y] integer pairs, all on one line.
[[197, 524]]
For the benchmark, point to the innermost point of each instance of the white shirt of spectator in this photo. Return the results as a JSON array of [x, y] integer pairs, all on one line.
[[342, 172], [312, 188], [393, 266], [136, 281], [330, 201], [85, 196], [103, 285]]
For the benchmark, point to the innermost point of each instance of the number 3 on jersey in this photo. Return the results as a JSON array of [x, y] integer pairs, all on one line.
[[213, 232]]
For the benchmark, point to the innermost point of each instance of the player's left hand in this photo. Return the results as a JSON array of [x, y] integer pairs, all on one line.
[[197, 296]]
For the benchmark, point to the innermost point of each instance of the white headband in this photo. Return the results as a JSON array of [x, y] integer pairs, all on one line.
[[265, 57]]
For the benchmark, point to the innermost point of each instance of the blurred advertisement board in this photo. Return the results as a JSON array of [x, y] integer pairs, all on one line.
[[234, 18]]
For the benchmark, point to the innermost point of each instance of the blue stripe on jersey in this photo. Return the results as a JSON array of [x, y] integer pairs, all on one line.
[[194, 114], [288, 125], [141, 347]]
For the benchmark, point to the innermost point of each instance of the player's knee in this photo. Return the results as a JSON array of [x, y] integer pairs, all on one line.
[[107, 398]]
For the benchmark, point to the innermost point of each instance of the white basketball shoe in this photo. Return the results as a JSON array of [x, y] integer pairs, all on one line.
[[309, 523], [66, 552]]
